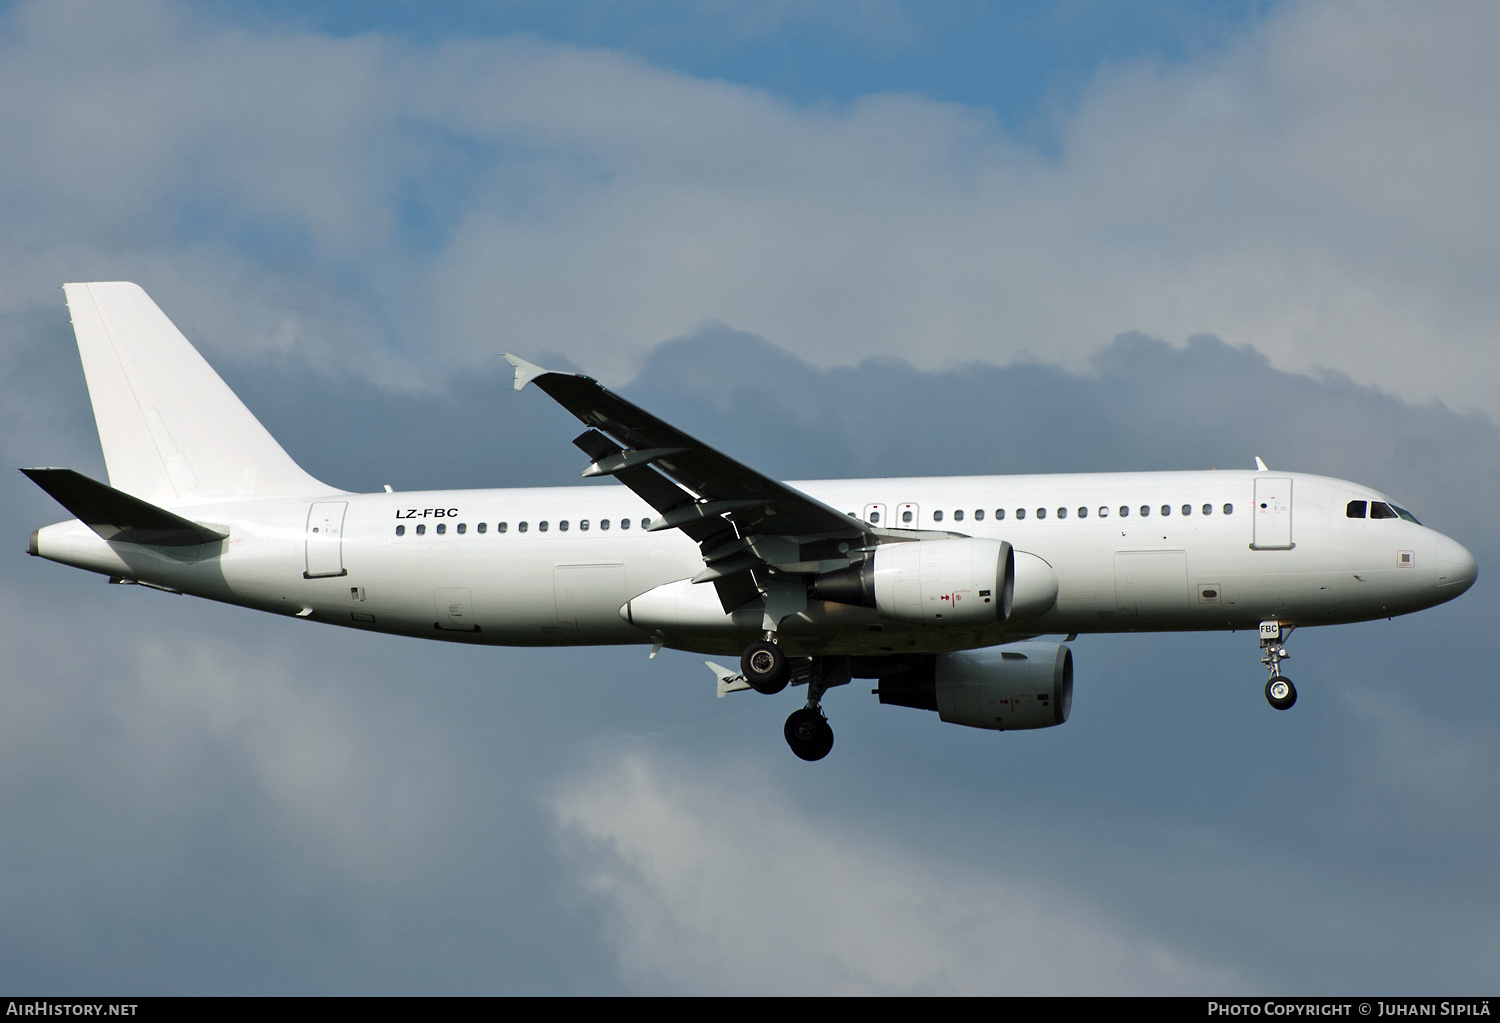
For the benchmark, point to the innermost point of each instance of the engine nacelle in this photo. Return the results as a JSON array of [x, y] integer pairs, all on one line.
[[1015, 686], [936, 582]]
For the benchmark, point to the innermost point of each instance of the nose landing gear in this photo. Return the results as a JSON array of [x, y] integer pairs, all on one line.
[[1280, 693]]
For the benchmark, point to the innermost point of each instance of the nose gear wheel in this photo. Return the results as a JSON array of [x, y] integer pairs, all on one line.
[[1280, 693]]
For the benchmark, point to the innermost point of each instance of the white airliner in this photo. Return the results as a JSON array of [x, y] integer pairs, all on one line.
[[936, 587]]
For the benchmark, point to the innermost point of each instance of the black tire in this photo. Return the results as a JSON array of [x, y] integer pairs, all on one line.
[[808, 734], [1280, 693], [765, 667]]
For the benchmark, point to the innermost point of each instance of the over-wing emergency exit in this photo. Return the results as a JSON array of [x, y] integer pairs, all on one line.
[[940, 589]]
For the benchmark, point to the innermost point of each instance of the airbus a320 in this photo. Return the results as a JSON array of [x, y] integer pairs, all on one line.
[[940, 589]]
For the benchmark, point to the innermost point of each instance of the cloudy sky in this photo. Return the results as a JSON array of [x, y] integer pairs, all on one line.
[[1175, 237]]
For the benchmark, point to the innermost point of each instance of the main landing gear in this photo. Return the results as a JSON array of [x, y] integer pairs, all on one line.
[[1280, 693], [766, 669], [765, 666], [808, 733]]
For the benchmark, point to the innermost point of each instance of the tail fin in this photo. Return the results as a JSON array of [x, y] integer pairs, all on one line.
[[172, 431]]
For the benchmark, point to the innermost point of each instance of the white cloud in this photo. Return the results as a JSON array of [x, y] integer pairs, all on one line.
[[1321, 189], [181, 733], [720, 884]]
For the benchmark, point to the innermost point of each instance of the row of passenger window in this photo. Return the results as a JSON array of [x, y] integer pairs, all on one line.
[[521, 527], [1082, 512]]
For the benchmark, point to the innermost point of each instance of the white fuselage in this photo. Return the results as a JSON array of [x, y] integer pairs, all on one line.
[[1216, 560]]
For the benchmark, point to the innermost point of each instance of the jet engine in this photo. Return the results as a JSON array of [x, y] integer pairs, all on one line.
[[1014, 686], [938, 582]]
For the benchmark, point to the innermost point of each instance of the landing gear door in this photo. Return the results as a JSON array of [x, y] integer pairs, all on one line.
[[325, 540], [1273, 514], [875, 515]]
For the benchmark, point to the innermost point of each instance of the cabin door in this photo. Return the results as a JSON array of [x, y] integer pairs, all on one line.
[[325, 539], [1273, 513]]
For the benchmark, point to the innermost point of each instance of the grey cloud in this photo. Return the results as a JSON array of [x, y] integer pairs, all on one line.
[[713, 883], [1317, 188]]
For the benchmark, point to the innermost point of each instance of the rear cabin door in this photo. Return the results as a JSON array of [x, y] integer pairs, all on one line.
[[325, 539], [1273, 513]]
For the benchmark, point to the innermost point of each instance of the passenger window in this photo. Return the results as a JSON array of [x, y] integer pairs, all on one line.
[[906, 517], [1208, 509], [501, 527], [442, 528], [645, 523], [1041, 513], [1381, 510], [999, 514], [521, 528], [1145, 510], [583, 524], [1229, 509], [1104, 511], [463, 528], [563, 526], [958, 516], [874, 518], [937, 516], [542, 526], [400, 530], [624, 523], [1062, 513], [1083, 513], [1187, 509], [483, 527], [978, 514], [1354, 510], [1124, 511], [421, 529], [604, 523], [1020, 513], [1166, 509]]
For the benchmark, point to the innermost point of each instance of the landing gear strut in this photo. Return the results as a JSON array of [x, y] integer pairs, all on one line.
[[1280, 693], [807, 730]]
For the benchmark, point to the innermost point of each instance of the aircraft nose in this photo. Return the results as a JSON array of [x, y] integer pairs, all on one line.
[[1457, 569]]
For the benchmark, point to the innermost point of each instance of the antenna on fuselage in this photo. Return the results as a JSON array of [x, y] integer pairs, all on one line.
[[1259, 465]]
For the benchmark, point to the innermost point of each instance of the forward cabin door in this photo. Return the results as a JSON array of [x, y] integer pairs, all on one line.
[[1273, 514], [325, 539]]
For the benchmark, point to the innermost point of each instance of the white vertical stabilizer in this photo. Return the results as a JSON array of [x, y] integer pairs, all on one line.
[[172, 431]]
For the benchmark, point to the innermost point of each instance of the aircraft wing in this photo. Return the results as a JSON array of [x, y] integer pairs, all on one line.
[[741, 518]]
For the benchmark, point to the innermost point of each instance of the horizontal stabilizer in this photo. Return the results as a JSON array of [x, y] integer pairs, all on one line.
[[115, 515]]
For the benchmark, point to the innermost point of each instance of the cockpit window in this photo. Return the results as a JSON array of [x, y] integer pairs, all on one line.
[[1355, 510], [1381, 510], [1408, 516]]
